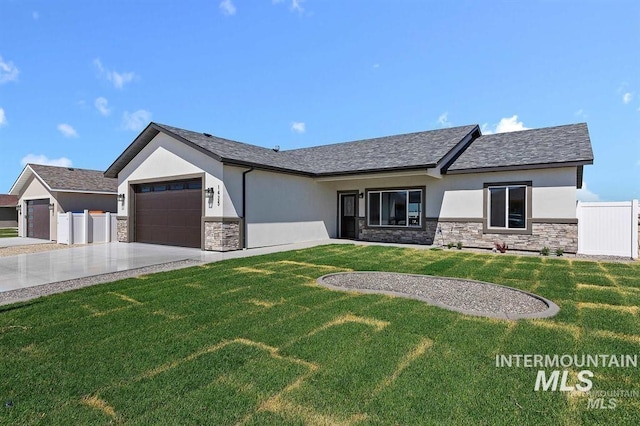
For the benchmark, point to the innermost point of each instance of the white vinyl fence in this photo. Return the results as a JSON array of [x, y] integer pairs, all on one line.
[[608, 228], [85, 228]]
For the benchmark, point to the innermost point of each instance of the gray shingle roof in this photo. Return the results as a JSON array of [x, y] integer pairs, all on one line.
[[548, 146], [554, 145], [412, 150], [74, 179], [225, 149]]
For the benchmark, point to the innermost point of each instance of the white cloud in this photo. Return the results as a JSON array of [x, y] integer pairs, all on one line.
[[67, 131], [580, 114], [3, 118], [135, 120], [626, 98], [43, 159], [506, 124], [8, 71], [118, 79], [486, 130], [98, 64], [584, 194], [298, 127], [102, 105], [296, 5], [443, 120], [227, 7], [510, 124]]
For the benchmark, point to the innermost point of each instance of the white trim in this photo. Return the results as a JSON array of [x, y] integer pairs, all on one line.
[[77, 191]]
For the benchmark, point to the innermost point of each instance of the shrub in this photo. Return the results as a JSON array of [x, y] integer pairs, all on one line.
[[459, 245], [450, 245], [544, 251], [559, 252], [502, 248]]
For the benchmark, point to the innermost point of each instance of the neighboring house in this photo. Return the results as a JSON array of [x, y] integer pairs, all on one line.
[[184, 188], [8, 212], [44, 191]]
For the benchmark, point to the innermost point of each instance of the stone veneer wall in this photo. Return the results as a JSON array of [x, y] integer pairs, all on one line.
[[222, 235], [552, 235], [122, 224]]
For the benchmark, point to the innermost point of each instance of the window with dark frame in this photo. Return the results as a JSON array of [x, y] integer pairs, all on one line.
[[169, 186], [508, 207], [395, 208]]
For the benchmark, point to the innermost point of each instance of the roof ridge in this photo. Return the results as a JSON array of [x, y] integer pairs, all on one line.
[[65, 167], [399, 135], [169, 128]]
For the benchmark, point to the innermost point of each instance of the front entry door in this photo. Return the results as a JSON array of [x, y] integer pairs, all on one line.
[[348, 217]]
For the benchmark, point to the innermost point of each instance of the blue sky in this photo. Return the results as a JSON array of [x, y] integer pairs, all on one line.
[[80, 79]]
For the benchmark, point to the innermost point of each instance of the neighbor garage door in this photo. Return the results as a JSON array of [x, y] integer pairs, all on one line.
[[38, 219], [169, 213]]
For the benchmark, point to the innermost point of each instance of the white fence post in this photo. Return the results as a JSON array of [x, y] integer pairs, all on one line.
[[579, 209], [107, 227], [85, 219], [70, 224], [635, 211]]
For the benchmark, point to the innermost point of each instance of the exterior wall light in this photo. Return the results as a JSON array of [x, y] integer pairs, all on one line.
[[121, 198], [210, 191], [51, 206], [361, 195]]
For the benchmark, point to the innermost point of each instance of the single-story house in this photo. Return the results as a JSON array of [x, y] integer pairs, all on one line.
[[44, 191], [185, 188], [8, 212]]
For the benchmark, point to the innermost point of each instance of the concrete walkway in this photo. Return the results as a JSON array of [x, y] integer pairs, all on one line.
[[28, 270]]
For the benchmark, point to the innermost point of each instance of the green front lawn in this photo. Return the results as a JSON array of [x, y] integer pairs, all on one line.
[[8, 232], [256, 341]]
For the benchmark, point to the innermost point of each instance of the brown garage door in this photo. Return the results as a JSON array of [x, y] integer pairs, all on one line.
[[38, 219], [169, 213]]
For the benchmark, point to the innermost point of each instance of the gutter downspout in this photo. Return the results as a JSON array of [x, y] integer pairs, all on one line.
[[244, 207]]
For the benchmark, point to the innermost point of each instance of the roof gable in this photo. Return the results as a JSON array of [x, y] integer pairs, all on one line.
[[546, 147], [407, 151], [66, 179]]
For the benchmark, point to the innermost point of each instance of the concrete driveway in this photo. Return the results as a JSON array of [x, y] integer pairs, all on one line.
[[28, 270], [21, 241]]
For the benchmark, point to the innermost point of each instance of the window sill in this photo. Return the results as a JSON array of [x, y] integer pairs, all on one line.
[[392, 227], [506, 231]]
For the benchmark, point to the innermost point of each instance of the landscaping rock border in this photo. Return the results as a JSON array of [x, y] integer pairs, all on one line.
[[465, 296]]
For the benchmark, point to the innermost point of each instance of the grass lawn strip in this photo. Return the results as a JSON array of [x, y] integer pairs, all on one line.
[[255, 341]]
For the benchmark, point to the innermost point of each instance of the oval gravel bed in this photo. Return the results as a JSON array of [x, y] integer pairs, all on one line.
[[465, 296]]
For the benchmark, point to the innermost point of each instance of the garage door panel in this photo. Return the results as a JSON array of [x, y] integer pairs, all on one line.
[[38, 219], [169, 217]]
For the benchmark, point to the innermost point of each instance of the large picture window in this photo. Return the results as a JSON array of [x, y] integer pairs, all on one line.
[[398, 207], [508, 207]]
